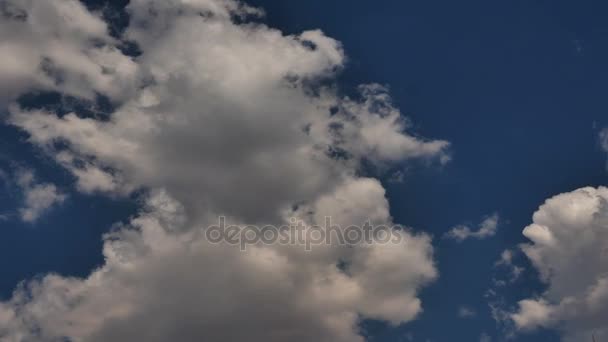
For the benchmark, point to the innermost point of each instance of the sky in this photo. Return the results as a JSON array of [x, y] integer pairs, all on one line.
[[126, 131]]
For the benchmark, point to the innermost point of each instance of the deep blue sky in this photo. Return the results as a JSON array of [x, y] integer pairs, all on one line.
[[518, 87]]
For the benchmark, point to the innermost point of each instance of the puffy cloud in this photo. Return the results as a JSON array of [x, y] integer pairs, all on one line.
[[487, 228], [38, 197], [533, 313], [230, 118], [239, 99], [160, 286], [569, 248], [373, 130], [59, 45], [210, 102]]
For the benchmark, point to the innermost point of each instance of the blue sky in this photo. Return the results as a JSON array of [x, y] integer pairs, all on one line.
[[517, 88]]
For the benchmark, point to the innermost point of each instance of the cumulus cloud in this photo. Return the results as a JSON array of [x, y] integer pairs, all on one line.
[[58, 45], [38, 197], [159, 286], [227, 117], [569, 248], [239, 99], [487, 228]]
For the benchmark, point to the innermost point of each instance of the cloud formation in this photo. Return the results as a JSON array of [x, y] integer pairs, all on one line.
[[506, 261], [59, 45], [219, 115], [38, 197], [569, 249], [487, 228]]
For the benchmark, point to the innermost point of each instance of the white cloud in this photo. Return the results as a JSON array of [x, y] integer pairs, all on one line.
[[153, 279], [487, 228], [533, 313], [236, 100], [38, 197], [226, 120], [569, 249], [58, 45], [506, 260]]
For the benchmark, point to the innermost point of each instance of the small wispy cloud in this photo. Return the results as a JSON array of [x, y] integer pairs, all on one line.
[[38, 197], [396, 177], [506, 260], [466, 312], [485, 338], [604, 139], [603, 136], [487, 228]]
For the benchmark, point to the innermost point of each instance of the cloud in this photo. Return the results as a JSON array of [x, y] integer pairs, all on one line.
[[603, 136], [570, 251], [396, 177], [58, 45], [485, 338], [238, 99], [487, 228], [160, 286], [506, 260], [604, 139], [226, 118], [38, 197], [466, 312]]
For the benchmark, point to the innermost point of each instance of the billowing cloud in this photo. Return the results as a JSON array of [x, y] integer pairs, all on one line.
[[239, 100], [569, 249], [161, 286], [487, 228], [59, 45], [224, 117]]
